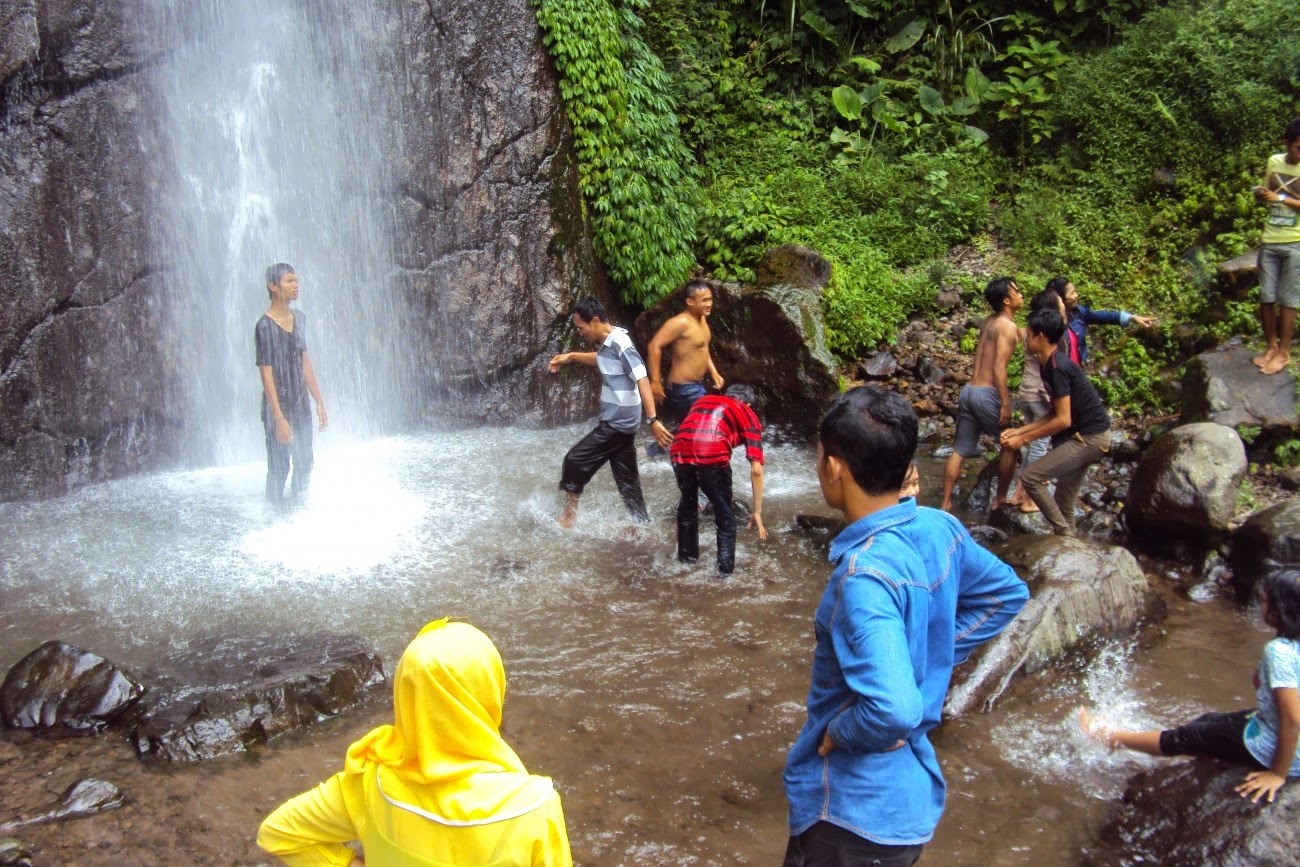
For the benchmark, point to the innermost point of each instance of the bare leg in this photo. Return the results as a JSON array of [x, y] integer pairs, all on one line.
[[1006, 469], [1281, 355], [951, 472], [1104, 732], [1268, 321], [570, 513]]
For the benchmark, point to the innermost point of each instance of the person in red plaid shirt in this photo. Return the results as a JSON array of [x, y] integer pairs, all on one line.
[[701, 456]]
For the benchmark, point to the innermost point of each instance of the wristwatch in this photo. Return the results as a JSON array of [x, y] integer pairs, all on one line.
[[651, 420]]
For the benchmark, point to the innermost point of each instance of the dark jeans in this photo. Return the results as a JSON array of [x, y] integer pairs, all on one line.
[[715, 481], [297, 452], [679, 397], [606, 444], [827, 845], [1214, 735]]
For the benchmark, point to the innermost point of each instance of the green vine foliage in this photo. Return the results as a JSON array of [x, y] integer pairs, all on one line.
[[637, 177]]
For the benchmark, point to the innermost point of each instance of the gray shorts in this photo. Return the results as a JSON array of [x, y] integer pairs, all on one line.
[[1279, 274], [978, 408]]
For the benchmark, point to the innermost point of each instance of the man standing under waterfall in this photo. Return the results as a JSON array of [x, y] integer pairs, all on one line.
[[624, 391], [912, 595], [280, 339], [687, 336]]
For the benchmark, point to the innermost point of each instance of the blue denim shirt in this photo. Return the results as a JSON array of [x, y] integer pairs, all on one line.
[[912, 594], [1081, 317]]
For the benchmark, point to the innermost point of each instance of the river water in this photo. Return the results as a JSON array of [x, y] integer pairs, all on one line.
[[660, 699]]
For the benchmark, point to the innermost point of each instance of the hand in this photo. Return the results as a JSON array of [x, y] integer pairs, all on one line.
[[283, 433], [558, 361], [718, 382], [756, 520], [323, 416], [1004, 415], [657, 389], [1260, 783], [1012, 438], [1145, 321], [661, 434], [827, 745]]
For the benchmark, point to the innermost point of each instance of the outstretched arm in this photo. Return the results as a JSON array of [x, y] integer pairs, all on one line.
[[558, 361], [309, 376]]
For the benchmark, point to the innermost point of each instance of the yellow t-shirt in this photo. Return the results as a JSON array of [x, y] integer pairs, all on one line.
[[1282, 226], [401, 828]]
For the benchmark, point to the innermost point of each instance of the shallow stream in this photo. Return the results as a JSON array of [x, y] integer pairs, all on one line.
[[660, 699]]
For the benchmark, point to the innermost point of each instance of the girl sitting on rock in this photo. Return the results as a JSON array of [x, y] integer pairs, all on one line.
[[439, 786], [1265, 737]]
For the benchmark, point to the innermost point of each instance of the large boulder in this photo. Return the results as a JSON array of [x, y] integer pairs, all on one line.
[[1265, 542], [770, 337], [1224, 387], [1080, 591], [1186, 484], [1187, 813], [229, 695], [61, 688]]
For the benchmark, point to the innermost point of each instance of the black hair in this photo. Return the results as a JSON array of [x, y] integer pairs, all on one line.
[[694, 287], [997, 291], [1292, 130], [1048, 299], [874, 433], [741, 392], [1283, 589], [1047, 323], [1057, 285], [589, 308], [275, 273]]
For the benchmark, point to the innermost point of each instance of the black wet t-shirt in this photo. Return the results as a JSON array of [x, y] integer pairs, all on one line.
[[282, 351], [1064, 378]]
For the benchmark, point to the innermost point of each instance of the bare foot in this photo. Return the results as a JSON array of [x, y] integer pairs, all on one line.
[[1264, 358], [1028, 507], [566, 520], [1277, 363], [998, 502], [1095, 727]]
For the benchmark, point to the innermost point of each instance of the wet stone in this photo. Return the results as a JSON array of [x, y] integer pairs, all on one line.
[[58, 687], [13, 853], [85, 798]]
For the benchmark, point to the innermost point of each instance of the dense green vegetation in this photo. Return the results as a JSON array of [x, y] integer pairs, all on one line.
[[1115, 141]]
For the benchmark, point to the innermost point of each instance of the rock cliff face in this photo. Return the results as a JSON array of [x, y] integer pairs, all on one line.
[[494, 245]]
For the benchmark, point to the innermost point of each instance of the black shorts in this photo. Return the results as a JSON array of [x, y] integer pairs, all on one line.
[[827, 845], [1213, 735]]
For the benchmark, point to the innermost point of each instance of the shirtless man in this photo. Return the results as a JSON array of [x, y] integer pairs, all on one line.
[[687, 336], [985, 401]]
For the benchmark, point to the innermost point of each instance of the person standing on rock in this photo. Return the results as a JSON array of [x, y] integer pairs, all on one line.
[[701, 456], [687, 337], [1279, 257], [280, 341], [624, 391], [1265, 738], [438, 786], [1035, 403], [912, 595], [1078, 425], [984, 404]]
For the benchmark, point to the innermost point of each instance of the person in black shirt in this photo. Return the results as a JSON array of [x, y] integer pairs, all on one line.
[[280, 339], [1078, 425]]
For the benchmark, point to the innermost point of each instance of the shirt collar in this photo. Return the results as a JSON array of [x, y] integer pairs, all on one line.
[[860, 530]]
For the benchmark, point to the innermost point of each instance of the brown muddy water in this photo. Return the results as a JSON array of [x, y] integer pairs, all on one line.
[[661, 700]]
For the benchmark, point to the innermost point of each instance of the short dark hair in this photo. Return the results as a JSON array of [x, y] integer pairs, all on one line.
[[741, 392], [275, 273], [1048, 299], [1047, 323], [1283, 588], [589, 308], [997, 291], [874, 432], [1292, 130], [1057, 285], [696, 286]]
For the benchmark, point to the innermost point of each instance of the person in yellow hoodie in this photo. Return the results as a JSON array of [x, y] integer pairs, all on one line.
[[439, 786]]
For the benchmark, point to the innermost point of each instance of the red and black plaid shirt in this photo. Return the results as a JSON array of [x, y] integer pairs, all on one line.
[[714, 426]]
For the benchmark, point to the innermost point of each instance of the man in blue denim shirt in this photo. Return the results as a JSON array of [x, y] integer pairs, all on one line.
[[912, 594]]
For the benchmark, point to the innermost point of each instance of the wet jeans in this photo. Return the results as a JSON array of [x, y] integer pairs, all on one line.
[[827, 845], [715, 481], [297, 452]]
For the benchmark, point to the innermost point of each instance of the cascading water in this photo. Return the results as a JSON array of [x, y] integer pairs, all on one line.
[[281, 124]]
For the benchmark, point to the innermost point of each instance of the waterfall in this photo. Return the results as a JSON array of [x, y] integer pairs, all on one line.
[[281, 121]]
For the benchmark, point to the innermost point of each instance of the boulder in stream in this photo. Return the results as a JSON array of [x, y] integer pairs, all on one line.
[[61, 688], [1224, 387], [1079, 590], [1268, 540], [1186, 484], [84, 798], [228, 695], [1187, 813]]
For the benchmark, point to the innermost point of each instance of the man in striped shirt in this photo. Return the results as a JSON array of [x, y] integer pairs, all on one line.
[[624, 391], [701, 456]]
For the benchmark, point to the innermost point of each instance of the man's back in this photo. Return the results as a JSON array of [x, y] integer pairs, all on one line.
[[715, 425]]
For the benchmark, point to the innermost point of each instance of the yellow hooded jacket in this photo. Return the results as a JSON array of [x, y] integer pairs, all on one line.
[[440, 786]]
